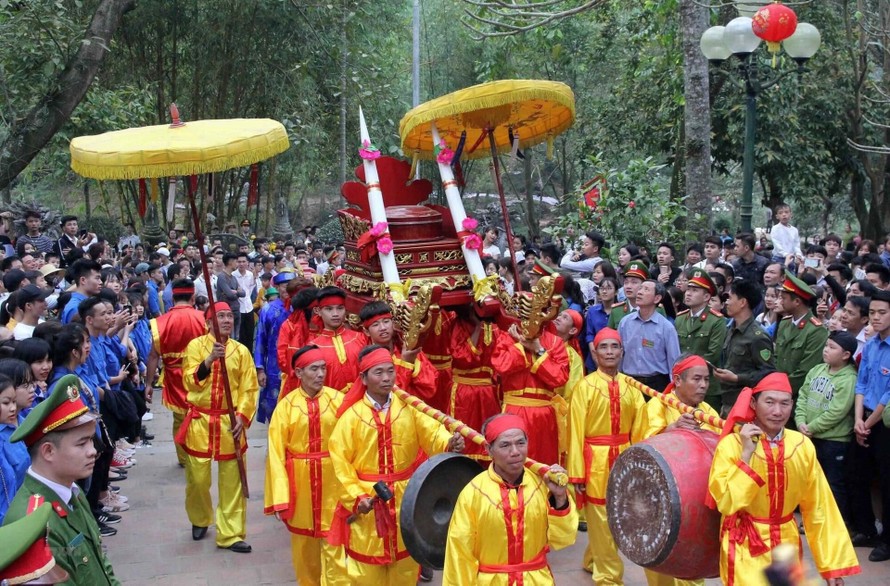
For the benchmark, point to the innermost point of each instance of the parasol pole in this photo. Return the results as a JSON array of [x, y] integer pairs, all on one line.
[[224, 372], [455, 425], [500, 186], [378, 208], [458, 213]]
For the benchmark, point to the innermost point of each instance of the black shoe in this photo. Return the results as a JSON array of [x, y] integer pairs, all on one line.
[[108, 518], [147, 436], [114, 489], [198, 533], [106, 531], [426, 574], [880, 554], [240, 547], [582, 526], [862, 540]]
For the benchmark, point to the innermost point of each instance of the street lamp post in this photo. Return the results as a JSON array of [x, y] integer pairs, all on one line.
[[738, 39]]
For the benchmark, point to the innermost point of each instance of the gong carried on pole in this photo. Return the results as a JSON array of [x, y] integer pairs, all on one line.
[[428, 504], [656, 508]]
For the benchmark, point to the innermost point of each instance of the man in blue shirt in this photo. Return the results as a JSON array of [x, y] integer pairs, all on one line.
[[871, 452], [651, 345], [87, 276]]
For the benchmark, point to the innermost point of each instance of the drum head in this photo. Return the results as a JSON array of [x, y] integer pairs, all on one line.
[[643, 505], [428, 503]]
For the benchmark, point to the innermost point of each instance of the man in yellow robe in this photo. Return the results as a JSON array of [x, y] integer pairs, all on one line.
[[605, 416], [301, 489], [759, 476], [206, 436], [507, 519], [379, 438], [690, 378]]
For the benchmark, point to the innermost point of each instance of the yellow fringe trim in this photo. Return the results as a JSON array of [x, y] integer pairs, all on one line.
[[112, 171]]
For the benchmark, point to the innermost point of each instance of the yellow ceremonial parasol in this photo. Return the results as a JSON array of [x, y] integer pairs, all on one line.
[[511, 114], [535, 111], [204, 146]]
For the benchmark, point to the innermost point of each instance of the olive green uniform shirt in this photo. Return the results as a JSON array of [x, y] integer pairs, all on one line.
[[799, 348], [73, 534], [704, 335], [748, 352]]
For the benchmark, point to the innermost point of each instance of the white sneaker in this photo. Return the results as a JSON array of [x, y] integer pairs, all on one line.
[[124, 444], [113, 504], [148, 416]]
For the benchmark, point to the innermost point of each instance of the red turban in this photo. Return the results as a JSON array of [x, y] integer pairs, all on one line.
[[308, 357], [606, 334], [682, 366], [218, 306], [742, 411], [502, 423], [577, 319], [358, 388]]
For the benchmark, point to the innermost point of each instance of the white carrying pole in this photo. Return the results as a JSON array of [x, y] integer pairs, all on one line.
[[378, 209], [458, 214]]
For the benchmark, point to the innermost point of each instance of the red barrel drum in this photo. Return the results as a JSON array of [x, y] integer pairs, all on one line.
[[656, 505]]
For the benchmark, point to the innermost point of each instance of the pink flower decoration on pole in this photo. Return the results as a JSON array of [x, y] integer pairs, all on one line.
[[470, 224], [368, 151], [473, 242], [384, 245], [379, 229], [444, 155]]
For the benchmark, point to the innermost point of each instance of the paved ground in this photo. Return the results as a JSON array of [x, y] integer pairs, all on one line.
[[154, 544]]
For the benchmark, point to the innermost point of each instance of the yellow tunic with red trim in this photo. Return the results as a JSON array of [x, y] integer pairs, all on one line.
[[605, 417], [421, 378], [530, 384], [474, 395], [757, 502], [500, 535], [170, 334], [576, 372], [206, 432], [368, 446], [300, 481], [340, 349], [659, 415]]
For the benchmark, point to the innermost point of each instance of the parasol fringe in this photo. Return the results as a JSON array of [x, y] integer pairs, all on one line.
[[436, 110], [222, 163]]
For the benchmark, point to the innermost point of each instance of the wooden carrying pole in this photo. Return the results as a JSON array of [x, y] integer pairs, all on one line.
[[474, 436], [224, 372], [673, 401]]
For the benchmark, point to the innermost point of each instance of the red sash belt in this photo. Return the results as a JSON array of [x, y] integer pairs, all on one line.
[[395, 476], [608, 440], [740, 526], [192, 414], [539, 562], [308, 455]]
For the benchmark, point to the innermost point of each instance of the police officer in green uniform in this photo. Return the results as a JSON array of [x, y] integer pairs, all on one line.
[[59, 435], [800, 337], [25, 557], [634, 274], [702, 330], [747, 350]]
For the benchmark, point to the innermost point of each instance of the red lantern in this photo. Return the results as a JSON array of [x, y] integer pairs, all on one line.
[[774, 23]]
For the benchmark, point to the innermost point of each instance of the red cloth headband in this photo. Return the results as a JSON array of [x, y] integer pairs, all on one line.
[[374, 358], [183, 290], [331, 300], [219, 306], [309, 357], [374, 318], [606, 334], [577, 319], [682, 366], [502, 423]]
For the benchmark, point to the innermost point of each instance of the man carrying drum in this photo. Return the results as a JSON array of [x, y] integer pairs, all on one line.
[[759, 476], [605, 415], [507, 519]]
